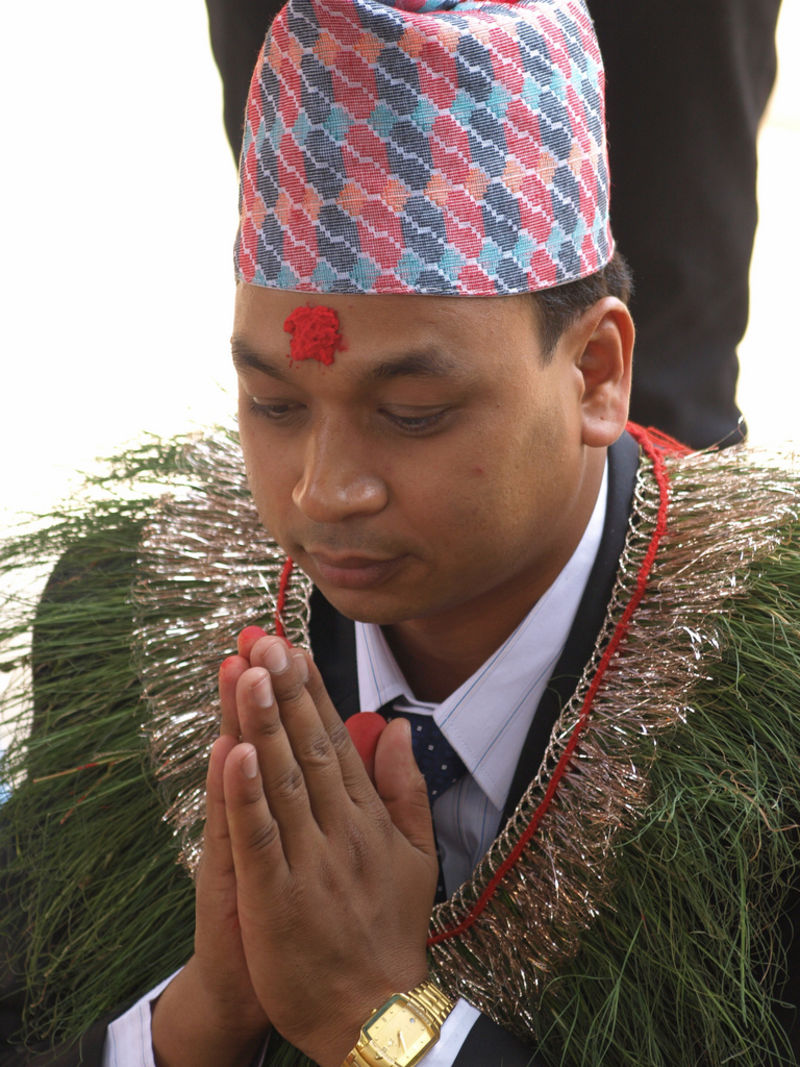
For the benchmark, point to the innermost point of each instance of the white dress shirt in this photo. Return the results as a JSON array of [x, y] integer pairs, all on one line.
[[486, 721]]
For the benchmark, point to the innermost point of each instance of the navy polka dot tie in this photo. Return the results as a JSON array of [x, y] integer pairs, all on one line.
[[439, 762], [435, 756]]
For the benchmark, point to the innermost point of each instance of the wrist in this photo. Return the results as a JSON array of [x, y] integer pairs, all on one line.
[[190, 1024]]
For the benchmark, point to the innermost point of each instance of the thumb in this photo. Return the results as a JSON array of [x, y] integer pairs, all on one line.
[[401, 786]]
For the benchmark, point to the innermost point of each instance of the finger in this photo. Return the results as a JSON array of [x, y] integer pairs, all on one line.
[[308, 674], [316, 747], [247, 638], [285, 786], [402, 788], [296, 681], [357, 776], [230, 671], [218, 941], [255, 836], [215, 877], [216, 841]]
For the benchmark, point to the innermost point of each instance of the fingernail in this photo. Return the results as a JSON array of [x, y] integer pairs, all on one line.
[[275, 658], [262, 693], [302, 665], [250, 764]]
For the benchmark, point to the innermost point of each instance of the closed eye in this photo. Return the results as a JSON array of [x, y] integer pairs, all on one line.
[[275, 411], [417, 423]]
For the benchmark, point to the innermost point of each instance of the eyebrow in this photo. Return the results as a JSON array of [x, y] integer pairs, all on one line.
[[423, 363], [246, 357]]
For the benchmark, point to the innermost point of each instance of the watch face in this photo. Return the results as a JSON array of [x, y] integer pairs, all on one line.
[[398, 1033]]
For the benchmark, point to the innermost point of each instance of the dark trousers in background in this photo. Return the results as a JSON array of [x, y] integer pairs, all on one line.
[[687, 84]]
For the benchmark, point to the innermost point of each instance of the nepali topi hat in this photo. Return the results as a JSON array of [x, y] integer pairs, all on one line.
[[425, 146]]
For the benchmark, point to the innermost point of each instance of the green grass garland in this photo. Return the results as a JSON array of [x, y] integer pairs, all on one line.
[[685, 966]]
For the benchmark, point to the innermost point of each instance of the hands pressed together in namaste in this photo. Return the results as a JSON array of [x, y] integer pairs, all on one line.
[[315, 889]]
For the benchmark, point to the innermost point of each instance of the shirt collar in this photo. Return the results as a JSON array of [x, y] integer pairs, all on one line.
[[511, 681]]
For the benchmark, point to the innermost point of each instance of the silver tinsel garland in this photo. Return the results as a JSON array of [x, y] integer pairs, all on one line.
[[207, 569]]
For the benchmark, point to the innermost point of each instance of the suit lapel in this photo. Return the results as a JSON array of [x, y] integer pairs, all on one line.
[[623, 462], [333, 642]]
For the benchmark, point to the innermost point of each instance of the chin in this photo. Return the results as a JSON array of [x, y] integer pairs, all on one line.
[[369, 607], [363, 609]]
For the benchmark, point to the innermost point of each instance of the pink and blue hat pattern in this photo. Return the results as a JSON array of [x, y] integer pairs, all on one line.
[[425, 146]]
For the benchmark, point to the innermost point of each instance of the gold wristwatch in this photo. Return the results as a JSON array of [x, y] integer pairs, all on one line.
[[402, 1030]]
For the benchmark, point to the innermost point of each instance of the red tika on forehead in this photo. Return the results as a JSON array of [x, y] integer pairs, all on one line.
[[315, 334]]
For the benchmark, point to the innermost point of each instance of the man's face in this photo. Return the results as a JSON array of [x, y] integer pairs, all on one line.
[[435, 470]]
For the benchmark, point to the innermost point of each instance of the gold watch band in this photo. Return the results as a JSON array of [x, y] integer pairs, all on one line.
[[355, 1059], [426, 999]]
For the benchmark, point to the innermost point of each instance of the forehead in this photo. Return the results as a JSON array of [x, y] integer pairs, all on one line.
[[466, 332]]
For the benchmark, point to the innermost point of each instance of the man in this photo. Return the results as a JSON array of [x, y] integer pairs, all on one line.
[[433, 352]]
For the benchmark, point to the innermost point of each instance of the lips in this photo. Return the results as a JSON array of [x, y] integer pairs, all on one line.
[[351, 571]]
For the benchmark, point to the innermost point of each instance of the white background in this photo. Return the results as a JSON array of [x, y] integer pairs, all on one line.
[[118, 210], [117, 215]]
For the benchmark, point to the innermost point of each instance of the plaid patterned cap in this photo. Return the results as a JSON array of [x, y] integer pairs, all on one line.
[[425, 146]]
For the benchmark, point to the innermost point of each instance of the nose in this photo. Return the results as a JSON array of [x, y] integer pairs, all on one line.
[[337, 480]]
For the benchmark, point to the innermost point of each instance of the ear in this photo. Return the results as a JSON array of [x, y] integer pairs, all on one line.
[[603, 349]]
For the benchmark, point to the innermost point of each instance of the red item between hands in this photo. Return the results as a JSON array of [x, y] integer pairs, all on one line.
[[365, 728]]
